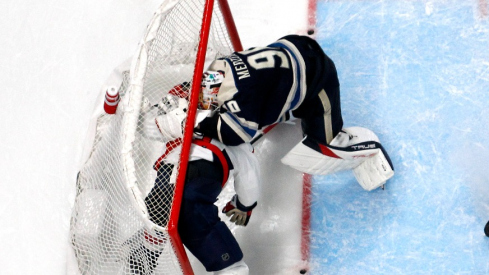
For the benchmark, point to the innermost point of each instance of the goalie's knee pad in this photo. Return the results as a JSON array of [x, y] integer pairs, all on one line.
[[350, 149]]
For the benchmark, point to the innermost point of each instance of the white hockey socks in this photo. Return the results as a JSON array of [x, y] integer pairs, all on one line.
[[354, 148]]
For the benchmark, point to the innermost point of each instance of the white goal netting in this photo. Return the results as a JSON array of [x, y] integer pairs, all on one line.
[[120, 218]]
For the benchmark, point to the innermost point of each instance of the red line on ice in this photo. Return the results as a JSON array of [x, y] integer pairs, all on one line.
[[483, 7], [311, 15], [306, 178], [306, 218]]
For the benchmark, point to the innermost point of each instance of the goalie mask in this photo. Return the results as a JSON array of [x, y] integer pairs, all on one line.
[[211, 82]]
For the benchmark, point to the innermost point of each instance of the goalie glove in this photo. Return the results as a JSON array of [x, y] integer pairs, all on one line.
[[170, 103], [240, 214], [172, 112]]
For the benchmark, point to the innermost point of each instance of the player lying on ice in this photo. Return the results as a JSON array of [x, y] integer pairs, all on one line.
[[210, 165], [294, 78]]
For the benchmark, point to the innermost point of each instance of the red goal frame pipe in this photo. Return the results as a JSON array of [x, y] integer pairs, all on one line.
[[189, 124], [230, 25], [187, 139]]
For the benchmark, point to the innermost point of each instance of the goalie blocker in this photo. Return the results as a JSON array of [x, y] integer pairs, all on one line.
[[354, 148]]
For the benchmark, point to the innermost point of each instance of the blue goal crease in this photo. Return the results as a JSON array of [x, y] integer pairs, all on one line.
[[416, 73]]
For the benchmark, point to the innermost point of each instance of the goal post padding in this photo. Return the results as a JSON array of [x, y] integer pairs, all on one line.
[[110, 216]]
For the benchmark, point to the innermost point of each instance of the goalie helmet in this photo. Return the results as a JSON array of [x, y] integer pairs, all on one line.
[[211, 82]]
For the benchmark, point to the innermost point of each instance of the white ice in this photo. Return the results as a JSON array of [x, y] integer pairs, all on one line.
[[55, 56], [415, 72]]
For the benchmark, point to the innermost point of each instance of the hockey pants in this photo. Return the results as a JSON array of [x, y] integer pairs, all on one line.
[[200, 228], [320, 112]]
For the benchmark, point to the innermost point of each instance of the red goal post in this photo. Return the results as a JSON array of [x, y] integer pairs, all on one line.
[[111, 217], [189, 124]]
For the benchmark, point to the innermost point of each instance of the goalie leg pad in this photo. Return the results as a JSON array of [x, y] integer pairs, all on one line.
[[354, 148], [307, 160], [347, 150], [374, 172]]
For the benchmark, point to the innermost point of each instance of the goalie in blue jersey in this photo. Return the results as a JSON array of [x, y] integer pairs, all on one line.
[[293, 78], [263, 86]]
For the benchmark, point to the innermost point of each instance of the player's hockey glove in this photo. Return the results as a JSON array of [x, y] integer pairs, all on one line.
[[172, 111], [170, 103], [239, 213]]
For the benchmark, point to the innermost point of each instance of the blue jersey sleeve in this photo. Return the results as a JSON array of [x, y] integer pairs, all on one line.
[[226, 129]]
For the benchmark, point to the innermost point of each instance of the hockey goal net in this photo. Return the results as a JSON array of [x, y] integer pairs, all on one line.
[[114, 228]]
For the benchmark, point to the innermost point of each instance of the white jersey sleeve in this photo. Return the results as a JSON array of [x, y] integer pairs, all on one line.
[[246, 172]]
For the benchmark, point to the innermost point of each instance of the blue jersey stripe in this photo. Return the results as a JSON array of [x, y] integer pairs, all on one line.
[[300, 70], [250, 131]]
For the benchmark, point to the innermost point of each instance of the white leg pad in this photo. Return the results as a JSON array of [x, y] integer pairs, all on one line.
[[356, 148], [310, 161], [373, 172]]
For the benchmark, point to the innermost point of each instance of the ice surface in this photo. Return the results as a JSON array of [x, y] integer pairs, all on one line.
[[271, 242], [55, 55], [415, 72]]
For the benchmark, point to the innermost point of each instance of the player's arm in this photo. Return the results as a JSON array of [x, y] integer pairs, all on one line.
[[227, 128], [246, 183], [170, 112]]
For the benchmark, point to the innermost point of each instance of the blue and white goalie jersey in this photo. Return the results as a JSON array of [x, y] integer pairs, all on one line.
[[261, 87]]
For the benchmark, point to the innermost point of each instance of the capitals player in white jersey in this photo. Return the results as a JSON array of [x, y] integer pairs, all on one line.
[[210, 166], [293, 78]]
